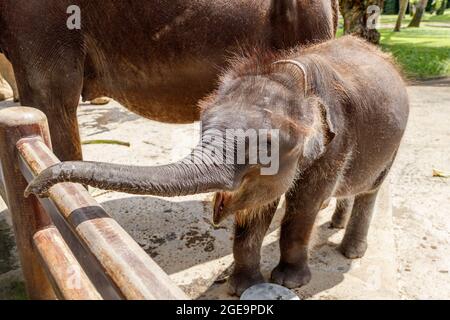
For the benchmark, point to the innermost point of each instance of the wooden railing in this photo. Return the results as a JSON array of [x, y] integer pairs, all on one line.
[[69, 247]]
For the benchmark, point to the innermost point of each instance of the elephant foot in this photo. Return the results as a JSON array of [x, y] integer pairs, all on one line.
[[291, 276], [100, 101], [240, 281], [353, 249]]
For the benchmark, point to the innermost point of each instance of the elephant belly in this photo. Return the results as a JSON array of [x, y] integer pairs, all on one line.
[[167, 94]]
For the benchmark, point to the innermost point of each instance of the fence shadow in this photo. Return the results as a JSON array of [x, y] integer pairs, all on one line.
[[179, 236]]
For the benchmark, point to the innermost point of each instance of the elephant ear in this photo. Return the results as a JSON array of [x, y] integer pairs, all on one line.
[[290, 132], [322, 131]]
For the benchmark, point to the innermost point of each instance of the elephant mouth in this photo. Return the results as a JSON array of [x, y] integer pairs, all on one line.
[[219, 213]]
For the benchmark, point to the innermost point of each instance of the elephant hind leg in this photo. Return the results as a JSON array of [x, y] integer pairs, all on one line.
[[55, 89], [342, 213], [354, 244]]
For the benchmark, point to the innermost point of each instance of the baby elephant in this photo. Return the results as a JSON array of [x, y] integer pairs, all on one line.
[[328, 119]]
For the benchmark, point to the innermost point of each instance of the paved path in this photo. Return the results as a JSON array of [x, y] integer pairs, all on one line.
[[408, 246], [421, 202]]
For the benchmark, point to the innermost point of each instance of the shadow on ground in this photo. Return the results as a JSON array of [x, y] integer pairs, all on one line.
[[180, 237]]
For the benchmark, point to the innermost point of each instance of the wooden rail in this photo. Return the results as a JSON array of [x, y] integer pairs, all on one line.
[[69, 247]]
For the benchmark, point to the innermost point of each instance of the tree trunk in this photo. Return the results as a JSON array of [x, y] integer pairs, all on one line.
[[442, 8], [401, 14], [420, 10], [357, 18], [412, 10]]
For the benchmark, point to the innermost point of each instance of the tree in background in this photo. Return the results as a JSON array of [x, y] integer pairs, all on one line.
[[401, 14], [420, 10], [357, 19], [391, 6], [431, 6], [441, 9]]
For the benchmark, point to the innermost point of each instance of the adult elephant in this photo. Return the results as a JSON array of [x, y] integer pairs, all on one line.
[[156, 57]]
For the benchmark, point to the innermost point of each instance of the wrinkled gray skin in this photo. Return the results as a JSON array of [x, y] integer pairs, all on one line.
[[338, 140]]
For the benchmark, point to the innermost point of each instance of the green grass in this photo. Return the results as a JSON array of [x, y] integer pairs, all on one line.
[[391, 18], [422, 52]]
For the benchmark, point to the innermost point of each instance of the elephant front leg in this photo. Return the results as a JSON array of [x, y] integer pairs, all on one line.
[[250, 229], [341, 214], [293, 270], [302, 207]]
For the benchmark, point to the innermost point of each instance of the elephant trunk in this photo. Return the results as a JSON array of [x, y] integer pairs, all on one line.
[[196, 173]]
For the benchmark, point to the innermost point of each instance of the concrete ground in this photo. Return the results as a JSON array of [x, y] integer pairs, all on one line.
[[422, 202], [409, 240]]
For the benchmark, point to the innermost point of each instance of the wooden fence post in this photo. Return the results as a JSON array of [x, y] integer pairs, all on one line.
[[27, 215]]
